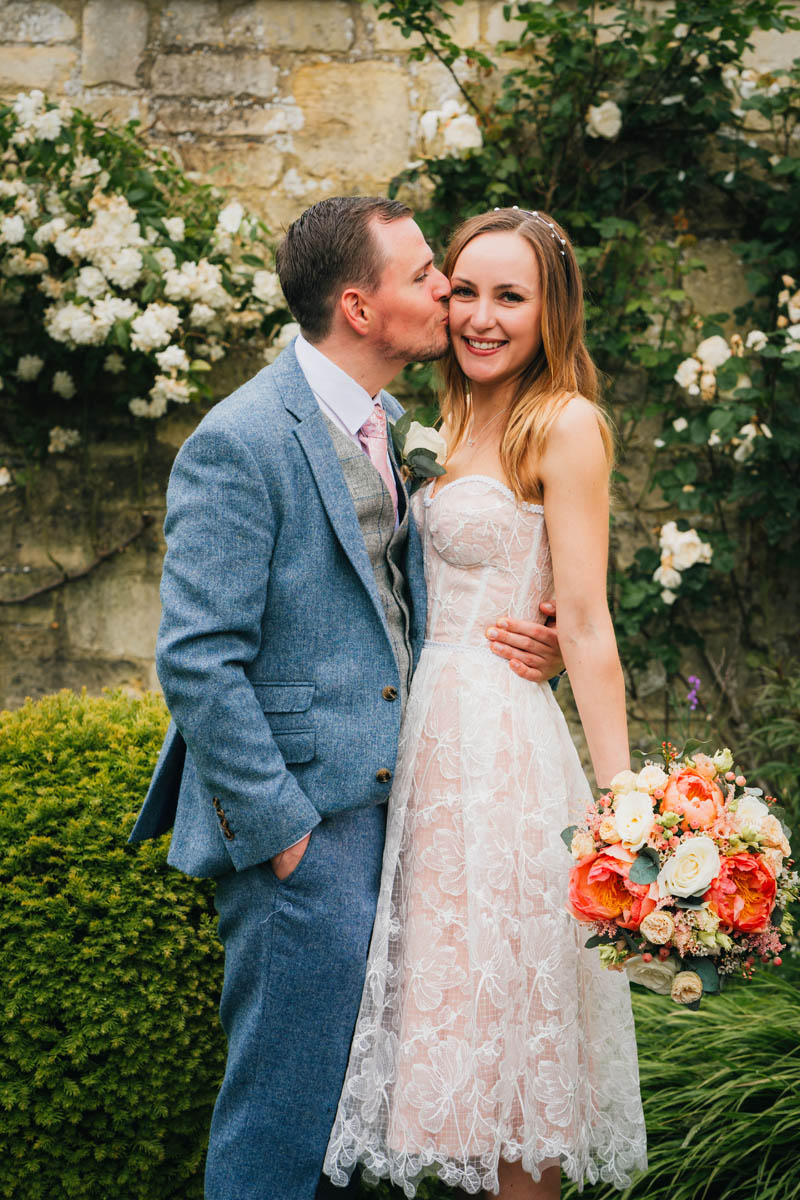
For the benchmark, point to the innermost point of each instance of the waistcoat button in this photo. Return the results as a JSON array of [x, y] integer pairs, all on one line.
[[389, 692], [384, 775]]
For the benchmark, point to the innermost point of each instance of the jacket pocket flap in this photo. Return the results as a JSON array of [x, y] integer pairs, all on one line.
[[295, 747], [284, 697]]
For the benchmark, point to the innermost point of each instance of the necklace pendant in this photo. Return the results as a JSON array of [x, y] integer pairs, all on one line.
[[470, 441]]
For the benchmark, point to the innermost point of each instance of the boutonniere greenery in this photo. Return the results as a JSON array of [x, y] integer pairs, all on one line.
[[419, 449]]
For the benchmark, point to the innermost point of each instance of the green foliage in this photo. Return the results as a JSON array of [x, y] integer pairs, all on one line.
[[720, 1089], [110, 1051]]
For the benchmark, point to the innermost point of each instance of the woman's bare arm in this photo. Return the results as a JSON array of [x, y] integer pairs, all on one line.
[[574, 476]]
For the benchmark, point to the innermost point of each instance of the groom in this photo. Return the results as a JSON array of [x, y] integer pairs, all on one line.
[[293, 601]]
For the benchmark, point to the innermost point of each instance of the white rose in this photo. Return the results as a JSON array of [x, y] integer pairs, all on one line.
[[794, 307], [687, 372], [608, 829], [267, 288], [63, 385], [656, 975], [750, 813], [421, 438], [12, 230], [691, 869], [623, 781], [713, 352], [174, 357], [429, 123], [29, 367], [62, 439], [773, 837], [651, 777], [5, 477], [679, 424], [463, 133], [633, 813], [231, 217], [669, 597], [756, 340], [175, 227], [604, 120], [667, 577], [90, 282]]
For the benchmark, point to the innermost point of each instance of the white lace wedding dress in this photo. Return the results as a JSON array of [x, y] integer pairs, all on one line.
[[486, 1031]]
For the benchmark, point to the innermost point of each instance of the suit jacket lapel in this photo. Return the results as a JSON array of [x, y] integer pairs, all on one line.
[[315, 440]]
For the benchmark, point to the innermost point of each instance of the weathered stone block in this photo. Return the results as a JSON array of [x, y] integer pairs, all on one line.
[[116, 616], [497, 28], [207, 73], [356, 120], [303, 25], [233, 164], [45, 67], [114, 41], [773, 50], [191, 23], [225, 117], [36, 21], [722, 285], [119, 109]]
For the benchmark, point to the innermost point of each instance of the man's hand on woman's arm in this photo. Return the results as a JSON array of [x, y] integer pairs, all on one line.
[[531, 649]]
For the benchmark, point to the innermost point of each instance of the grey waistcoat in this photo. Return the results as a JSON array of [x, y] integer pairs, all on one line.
[[386, 545]]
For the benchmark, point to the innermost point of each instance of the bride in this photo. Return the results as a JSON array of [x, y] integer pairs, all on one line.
[[491, 1049]]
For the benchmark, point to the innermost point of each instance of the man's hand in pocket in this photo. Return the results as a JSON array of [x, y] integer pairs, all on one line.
[[288, 860]]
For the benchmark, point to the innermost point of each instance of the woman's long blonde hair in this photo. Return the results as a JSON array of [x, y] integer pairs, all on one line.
[[562, 367]]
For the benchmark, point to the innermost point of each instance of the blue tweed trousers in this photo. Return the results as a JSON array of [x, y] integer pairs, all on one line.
[[295, 959]]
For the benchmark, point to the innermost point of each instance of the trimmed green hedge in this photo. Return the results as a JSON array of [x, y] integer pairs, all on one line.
[[110, 1048]]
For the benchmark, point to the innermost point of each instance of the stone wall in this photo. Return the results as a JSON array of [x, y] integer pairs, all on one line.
[[283, 102]]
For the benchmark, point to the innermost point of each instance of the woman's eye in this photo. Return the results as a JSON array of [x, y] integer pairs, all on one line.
[[460, 290], [513, 296]]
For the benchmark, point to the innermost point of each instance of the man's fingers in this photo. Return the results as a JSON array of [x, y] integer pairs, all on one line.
[[531, 659], [522, 635], [529, 673]]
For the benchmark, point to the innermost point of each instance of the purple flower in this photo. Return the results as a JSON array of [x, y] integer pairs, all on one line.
[[691, 696]]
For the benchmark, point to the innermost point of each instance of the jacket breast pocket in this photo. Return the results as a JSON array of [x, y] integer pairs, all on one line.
[[283, 705]]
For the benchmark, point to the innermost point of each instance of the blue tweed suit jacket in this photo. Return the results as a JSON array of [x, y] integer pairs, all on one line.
[[273, 650]]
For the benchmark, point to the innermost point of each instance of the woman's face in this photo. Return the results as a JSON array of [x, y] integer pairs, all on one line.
[[495, 308]]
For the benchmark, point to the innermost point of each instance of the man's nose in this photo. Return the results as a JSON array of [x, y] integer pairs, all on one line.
[[441, 286]]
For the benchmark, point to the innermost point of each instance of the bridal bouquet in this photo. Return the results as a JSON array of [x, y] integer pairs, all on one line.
[[683, 873]]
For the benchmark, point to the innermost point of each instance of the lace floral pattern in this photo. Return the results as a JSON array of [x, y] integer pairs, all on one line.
[[486, 1031]]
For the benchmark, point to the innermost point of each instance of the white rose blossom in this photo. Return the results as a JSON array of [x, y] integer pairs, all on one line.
[[624, 781], [266, 287], [175, 227], [282, 338], [12, 230], [658, 927], [651, 777], [151, 329], [656, 975], [90, 282], [679, 424], [230, 218], [173, 358], [604, 120], [687, 372], [756, 340], [62, 439], [713, 352], [5, 477], [63, 385], [691, 869], [633, 813], [419, 437], [29, 367], [462, 133], [687, 987]]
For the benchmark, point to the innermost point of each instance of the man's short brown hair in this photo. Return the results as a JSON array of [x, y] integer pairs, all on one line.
[[328, 248]]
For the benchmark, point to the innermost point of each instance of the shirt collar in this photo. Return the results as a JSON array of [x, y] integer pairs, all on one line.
[[334, 387]]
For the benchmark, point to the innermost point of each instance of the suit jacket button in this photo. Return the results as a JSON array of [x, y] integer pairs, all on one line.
[[384, 775], [217, 806], [389, 692]]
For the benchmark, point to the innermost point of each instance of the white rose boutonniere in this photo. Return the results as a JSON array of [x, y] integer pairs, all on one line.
[[420, 449]]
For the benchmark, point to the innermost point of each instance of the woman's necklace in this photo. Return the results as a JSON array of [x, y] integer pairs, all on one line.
[[476, 437]]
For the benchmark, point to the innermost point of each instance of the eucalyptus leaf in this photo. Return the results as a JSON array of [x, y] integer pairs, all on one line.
[[568, 834], [643, 870], [708, 973]]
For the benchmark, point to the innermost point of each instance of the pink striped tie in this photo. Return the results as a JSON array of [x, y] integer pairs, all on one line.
[[373, 437]]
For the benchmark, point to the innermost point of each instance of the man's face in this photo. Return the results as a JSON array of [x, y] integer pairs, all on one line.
[[410, 303]]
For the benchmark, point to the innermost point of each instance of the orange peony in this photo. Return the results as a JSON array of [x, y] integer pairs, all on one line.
[[600, 890], [695, 798], [743, 894]]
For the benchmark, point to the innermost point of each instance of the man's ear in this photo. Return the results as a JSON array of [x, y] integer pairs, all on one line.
[[355, 308]]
